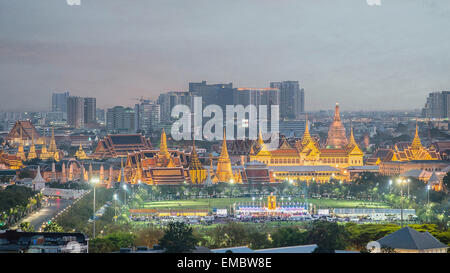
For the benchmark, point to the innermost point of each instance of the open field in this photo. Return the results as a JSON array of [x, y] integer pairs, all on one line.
[[227, 202]]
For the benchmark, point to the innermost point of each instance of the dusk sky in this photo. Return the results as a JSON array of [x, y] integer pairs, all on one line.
[[364, 57]]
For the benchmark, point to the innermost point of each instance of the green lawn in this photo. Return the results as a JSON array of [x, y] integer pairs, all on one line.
[[226, 202]]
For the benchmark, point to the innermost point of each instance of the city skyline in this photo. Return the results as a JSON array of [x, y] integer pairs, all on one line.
[[358, 55]]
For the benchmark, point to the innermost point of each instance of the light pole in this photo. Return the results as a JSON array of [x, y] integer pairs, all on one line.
[[390, 186], [428, 194], [125, 193], [94, 181], [402, 182], [115, 205], [408, 181]]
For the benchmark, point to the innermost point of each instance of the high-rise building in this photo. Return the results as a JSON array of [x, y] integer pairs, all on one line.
[[168, 100], [59, 102], [220, 94], [120, 120], [147, 115], [90, 115], [437, 105], [292, 99], [75, 112]]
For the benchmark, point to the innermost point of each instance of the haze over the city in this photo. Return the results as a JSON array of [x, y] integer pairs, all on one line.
[[386, 57]]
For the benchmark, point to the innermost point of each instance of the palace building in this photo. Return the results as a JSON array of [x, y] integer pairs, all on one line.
[[339, 152]]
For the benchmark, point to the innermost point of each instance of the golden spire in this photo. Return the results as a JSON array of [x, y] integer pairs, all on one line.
[[224, 172], [337, 116], [20, 152], [196, 170], [52, 147], [163, 151], [32, 152], [262, 146], [416, 143], [352, 141], [306, 135]]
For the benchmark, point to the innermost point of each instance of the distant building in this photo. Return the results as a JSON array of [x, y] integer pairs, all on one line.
[[120, 120], [75, 112], [292, 99], [437, 105], [147, 115], [59, 102], [90, 107], [168, 100], [220, 94]]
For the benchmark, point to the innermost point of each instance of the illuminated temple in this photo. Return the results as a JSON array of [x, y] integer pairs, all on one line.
[[338, 153], [405, 151], [24, 134]]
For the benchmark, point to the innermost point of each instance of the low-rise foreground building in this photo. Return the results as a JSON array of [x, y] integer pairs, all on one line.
[[13, 241], [408, 240]]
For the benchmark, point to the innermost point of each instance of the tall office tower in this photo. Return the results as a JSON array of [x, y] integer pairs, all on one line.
[[147, 115], [220, 94], [437, 105], [90, 115], [292, 99], [120, 120], [75, 112], [59, 102], [168, 100], [256, 97]]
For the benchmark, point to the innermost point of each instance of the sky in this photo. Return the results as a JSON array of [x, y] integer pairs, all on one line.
[[366, 57]]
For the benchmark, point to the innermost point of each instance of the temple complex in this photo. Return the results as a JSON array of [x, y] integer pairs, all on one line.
[[307, 151], [404, 152]]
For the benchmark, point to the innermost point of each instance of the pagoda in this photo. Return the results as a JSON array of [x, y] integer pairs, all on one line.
[[52, 149], [336, 133], [32, 153], [20, 151], [224, 172], [80, 154], [196, 170], [164, 159]]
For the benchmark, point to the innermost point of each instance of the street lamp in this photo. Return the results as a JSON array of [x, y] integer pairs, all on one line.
[[94, 182], [115, 205], [125, 193], [390, 186], [428, 194]]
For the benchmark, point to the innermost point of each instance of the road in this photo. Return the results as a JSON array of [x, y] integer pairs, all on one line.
[[46, 213]]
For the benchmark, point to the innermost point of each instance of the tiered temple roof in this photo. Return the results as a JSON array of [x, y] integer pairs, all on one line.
[[121, 145]]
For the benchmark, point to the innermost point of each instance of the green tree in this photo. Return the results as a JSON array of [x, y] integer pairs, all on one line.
[[53, 227], [26, 227], [328, 236], [287, 236], [178, 238]]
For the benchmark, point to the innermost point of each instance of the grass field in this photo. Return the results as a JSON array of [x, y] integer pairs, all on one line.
[[226, 202]]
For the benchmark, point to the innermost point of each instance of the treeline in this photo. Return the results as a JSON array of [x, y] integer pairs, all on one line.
[[328, 236]]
